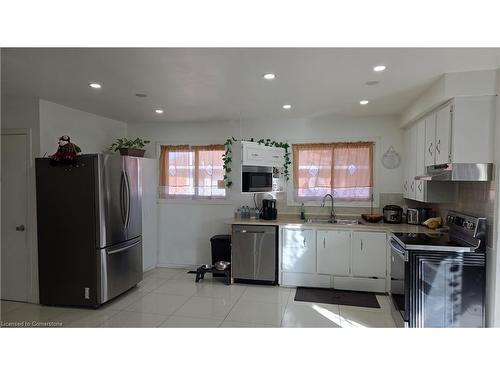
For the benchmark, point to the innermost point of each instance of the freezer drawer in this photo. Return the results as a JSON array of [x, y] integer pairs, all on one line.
[[121, 268], [254, 253]]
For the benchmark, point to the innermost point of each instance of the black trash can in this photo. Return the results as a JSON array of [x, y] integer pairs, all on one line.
[[221, 250]]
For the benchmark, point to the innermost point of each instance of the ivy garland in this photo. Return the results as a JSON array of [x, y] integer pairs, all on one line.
[[228, 156]]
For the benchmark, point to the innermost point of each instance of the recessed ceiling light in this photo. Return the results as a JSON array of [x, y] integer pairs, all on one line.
[[159, 111], [364, 102], [95, 85], [379, 68], [287, 106], [269, 76], [371, 83]]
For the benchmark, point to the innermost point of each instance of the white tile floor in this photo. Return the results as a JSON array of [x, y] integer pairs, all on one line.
[[170, 298]]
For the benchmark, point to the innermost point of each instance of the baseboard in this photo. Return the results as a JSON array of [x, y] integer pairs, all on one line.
[[169, 265]]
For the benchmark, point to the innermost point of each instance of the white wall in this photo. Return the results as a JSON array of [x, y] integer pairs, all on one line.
[[185, 228], [450, 85], [149, 168], [93, 133], [493, 279]]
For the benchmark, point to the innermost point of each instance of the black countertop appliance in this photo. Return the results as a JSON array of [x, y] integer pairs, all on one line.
[[269, 210], [393, 214]]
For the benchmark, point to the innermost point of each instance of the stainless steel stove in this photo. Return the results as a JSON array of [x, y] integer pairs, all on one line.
[[466, 234], [425, 264]]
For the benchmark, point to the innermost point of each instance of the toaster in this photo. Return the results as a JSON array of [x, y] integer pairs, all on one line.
[[412, 216]]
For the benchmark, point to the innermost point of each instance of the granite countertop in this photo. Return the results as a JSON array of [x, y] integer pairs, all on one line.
[[294, 221]]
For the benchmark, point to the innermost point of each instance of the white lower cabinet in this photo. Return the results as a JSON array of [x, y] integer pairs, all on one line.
[[299, 251], [342, 259], [369, 254], [333, 252]]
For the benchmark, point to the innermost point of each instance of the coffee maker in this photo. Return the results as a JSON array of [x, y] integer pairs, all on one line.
[[269, 211]]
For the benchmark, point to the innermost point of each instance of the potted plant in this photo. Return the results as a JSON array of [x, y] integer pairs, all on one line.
[[130, 147]]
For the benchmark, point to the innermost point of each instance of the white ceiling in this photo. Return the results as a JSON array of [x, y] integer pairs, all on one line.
[[211, 84]]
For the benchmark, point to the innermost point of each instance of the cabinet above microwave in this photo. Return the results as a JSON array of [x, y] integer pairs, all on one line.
[[254, 154]]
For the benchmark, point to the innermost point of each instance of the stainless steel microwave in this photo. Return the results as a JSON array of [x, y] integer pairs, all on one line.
[[256, 179]]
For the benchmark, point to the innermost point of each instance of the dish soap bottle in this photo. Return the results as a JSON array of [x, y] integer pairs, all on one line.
[[302, 212]]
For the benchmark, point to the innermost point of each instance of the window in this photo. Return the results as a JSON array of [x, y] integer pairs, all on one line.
[[192, 172], [344, 170]]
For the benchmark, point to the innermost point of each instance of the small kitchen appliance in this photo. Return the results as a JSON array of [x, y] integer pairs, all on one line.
[[269, 211], [413, 216], [393, 214]]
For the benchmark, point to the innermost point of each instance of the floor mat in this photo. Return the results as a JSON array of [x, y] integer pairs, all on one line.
[[337, 297]]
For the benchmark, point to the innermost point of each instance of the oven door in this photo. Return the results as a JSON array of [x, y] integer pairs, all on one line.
[[257, 179], [399, 282]]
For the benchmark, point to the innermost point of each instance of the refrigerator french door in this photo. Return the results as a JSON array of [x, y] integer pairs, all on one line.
[[120, 224], [89, 229]]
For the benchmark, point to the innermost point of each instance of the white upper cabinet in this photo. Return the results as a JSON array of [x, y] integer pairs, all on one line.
[[333, 252], [299, 251], [443, 135], [263, 156], [460, 131], [430, 140], [420, 160], [369, 254]]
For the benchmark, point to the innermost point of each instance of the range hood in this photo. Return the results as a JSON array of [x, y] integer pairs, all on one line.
[[459, 172]]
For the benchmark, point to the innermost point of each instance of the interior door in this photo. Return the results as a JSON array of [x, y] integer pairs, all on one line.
[[16, 256], [133, 196], [112, 212]]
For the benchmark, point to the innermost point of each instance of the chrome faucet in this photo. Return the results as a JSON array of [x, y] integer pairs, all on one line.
[[332, 212]]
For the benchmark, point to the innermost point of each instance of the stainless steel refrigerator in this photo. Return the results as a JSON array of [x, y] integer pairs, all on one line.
[[89, 225]]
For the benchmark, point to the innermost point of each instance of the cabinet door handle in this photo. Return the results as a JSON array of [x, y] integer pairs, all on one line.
[[430, 148], [275, 156], [413, 186], [406, 186], [361, 245], [324, 243], [437, 146], [255, 154], [304, 242], [420, 186]]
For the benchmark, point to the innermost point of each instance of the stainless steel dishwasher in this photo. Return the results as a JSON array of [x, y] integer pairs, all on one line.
[[254, 253]]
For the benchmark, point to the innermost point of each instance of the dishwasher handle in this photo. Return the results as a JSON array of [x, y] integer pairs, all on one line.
[[249, 231]]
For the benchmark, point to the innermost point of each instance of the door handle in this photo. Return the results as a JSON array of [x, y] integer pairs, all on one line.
[[127, 188], [324, 243], [420, 186], [430, 148], [437, 146], [361, 245], [304, 242], [20, 228], [119, 250]]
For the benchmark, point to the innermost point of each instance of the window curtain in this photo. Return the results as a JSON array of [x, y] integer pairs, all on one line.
[[353, 171], [176, 171], [344, 170], [191, 172], [312, 170], [209, 171]]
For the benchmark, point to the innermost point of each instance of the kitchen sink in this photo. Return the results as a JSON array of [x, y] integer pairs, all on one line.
[[318, 220]]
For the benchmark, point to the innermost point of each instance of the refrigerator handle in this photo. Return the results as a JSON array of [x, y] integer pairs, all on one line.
[[122, 199], [128, 199]]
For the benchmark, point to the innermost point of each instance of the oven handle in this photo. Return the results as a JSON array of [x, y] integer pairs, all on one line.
[[397, 249]]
